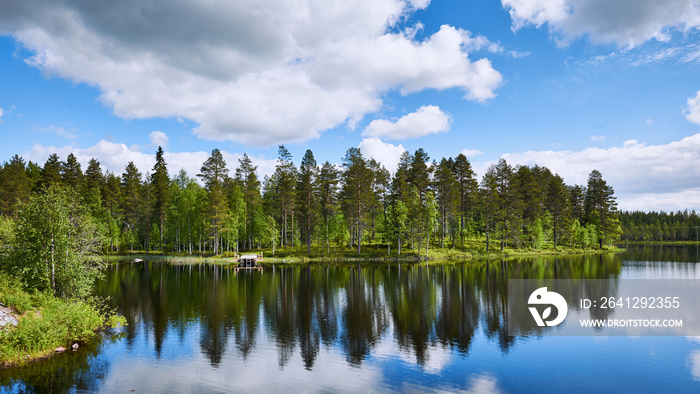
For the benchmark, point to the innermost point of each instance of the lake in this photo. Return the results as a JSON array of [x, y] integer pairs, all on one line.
[[362, 328]]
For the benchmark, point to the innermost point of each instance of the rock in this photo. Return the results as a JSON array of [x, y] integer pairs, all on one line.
[[75, 346], [7, 317], [60, 349]]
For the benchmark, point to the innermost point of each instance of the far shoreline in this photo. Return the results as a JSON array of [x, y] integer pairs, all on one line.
[[446, 256]]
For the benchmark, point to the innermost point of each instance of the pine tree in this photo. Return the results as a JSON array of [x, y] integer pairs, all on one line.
[[468, 191], [285, 182], [248, 178], [94, 183], [307, 200], [131, 201], [51, 172], [447, 188], [357, 184], [577, 197], [379, 189], [601, 208], [419, 173], [94, 179], [328, 179], [72, 174], [214, 174], [34, 174], [161, 191], [509, 206], [490, 202], [15, 185]]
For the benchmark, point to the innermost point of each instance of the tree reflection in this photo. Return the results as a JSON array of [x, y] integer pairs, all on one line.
[[351, 308], [365, 317]]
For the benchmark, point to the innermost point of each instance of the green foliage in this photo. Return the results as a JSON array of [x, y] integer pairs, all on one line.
[[537, 233], [660, 226], [161, 215], [14, 185], [54, 244], [12, 295], [46, 322], [7, 235], [58, 323]]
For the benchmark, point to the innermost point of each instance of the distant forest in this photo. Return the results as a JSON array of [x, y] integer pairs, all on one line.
[[438, 204], [660, 226]]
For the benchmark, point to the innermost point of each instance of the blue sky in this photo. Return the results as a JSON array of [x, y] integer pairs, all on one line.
[[570, 84]]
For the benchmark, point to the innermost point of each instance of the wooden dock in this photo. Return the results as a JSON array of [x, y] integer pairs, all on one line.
[[249, 261]]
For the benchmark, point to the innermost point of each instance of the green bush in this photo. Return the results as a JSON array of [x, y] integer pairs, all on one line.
[[12, 295], [55, 323]]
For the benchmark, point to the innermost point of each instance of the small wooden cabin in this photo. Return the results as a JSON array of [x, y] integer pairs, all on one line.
[[248, 261]]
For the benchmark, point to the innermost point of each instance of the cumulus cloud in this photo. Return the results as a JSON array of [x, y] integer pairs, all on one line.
[[597, 138], [692, 112], [115, 156], [645, 177], [248, 71], [383, 152], [628, 23], [428, 119], [471, 152], [159, 138]]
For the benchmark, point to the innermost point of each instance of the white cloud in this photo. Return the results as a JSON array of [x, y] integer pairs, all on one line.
[[1, 112], [383, 152], [115, 156], [692, 112], [597, 138], [645, 177], [471, 152], [428, 119], [484, 384], [628, 23], [695, 363], [159, 138], [60, 131], [248, 71]]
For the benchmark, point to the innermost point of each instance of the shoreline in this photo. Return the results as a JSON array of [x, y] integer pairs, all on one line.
[[450, 256], [39, 326]]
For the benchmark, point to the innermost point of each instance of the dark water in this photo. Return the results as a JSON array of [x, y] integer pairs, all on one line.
[[364, 328]]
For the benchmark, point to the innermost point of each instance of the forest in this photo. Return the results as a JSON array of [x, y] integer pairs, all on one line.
[[324, 207], [678, 226]]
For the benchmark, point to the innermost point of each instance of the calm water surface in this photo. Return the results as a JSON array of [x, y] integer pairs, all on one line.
[[367, 328]]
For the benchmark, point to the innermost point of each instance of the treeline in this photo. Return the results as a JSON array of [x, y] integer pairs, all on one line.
[[660, 226], [424, 204]]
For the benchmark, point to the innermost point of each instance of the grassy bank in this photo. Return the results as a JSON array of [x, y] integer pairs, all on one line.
[[677, 243], [45, 323], [373, 252]]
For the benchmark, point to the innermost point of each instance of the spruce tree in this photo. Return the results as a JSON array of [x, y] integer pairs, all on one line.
[[15, 185], [51, 172], [161, 192]]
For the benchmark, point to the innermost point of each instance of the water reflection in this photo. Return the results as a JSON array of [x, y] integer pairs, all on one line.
[[82, 370], [367, 327], [349, 307]]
